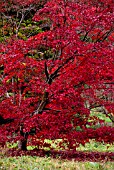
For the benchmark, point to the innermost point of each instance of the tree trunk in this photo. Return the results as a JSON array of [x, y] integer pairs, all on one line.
[[22, 144]]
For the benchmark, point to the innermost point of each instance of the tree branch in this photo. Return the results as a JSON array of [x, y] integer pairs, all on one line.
[[42, 104], [5, 121]]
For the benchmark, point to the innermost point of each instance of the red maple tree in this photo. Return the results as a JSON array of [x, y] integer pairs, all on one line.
[[50, 96]]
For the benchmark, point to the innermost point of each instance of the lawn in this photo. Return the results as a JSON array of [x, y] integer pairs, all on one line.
[[39, 163], [48, 163]]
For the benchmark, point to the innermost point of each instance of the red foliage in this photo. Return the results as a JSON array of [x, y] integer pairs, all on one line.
[[48, 94], [69, 155]]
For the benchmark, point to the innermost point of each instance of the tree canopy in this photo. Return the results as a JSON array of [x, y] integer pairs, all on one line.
[[52, 76]]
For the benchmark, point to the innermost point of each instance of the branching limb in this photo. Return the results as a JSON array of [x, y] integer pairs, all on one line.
[[42, 104], [51, 77]]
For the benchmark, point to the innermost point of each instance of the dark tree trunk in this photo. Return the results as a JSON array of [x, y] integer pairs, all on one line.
[[22, 144]]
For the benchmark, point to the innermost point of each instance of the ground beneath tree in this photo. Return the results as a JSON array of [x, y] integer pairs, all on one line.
[[75, 155]]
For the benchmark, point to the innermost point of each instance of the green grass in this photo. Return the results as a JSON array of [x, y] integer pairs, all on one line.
[[47, 163], [38, 163], [96, 146], [91, 146], [99, 115]]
